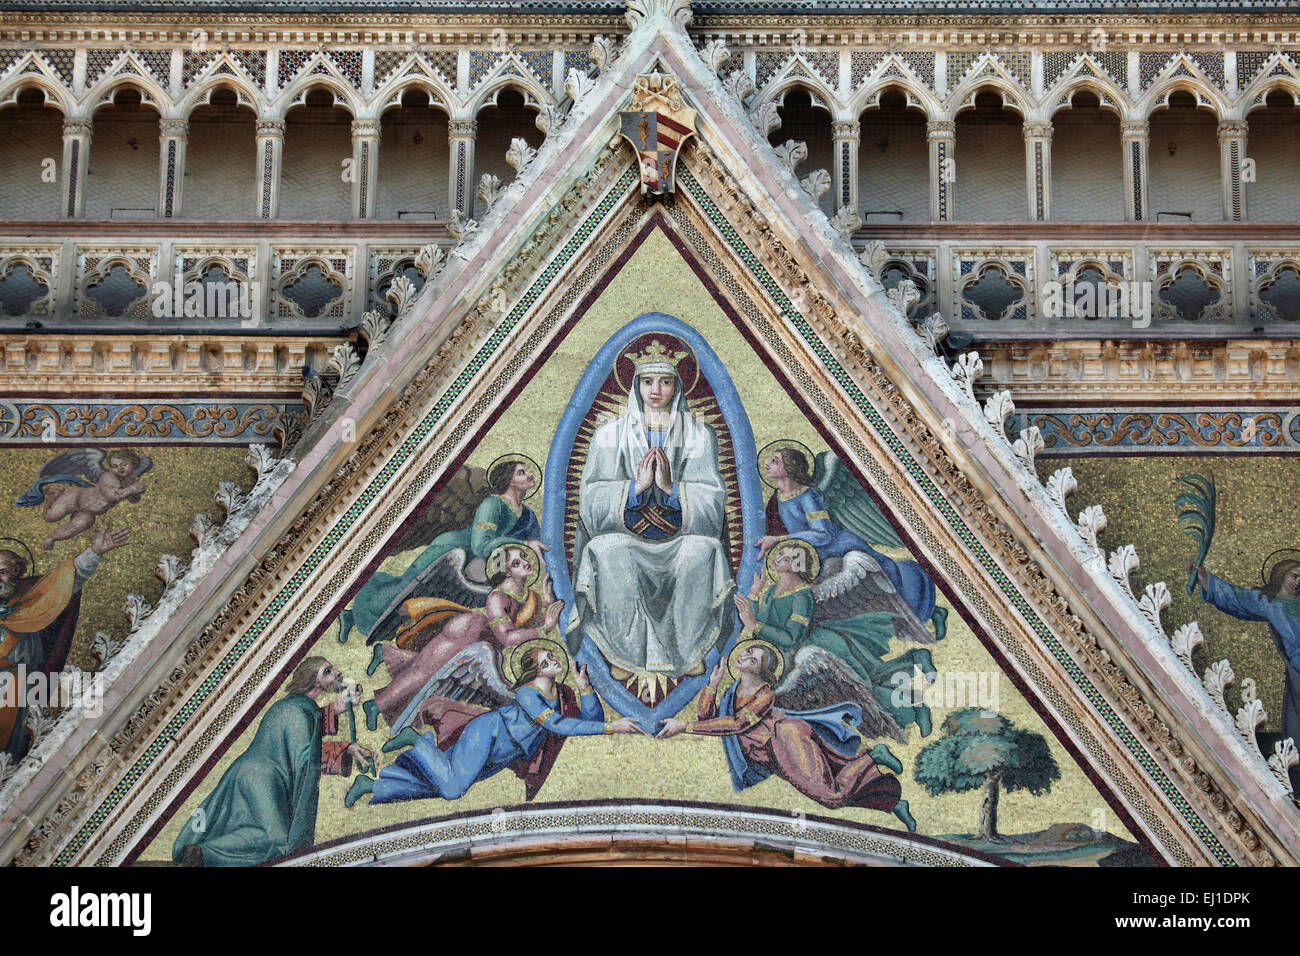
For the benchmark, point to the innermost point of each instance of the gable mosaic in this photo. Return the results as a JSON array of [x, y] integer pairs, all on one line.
[[743, 602]]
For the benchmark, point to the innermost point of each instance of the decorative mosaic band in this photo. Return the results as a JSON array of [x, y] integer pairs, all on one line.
[[1135, 148], [1040, 204], [1234, 177], [460, 177], [268, 176], [941, 152], [170, 198], [365, 179], [143, 423], [846, 184], [72, 177], [1163, 430]]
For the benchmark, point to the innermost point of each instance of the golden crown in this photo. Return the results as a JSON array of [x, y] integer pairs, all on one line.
[[656, 354]]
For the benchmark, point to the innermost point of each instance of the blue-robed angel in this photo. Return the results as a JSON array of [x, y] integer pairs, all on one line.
[[1278, 605], [471, 743], [827, 508]]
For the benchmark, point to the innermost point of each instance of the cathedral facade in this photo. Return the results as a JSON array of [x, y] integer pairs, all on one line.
[[656, 430]]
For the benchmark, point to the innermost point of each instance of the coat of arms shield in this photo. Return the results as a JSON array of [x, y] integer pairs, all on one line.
[[656, 126]]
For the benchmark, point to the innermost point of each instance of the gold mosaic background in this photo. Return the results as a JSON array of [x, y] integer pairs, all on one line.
[[1253, 519], [687, 767], [180, 485]]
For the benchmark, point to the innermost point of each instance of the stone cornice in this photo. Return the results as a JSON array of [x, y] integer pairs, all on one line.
[[1176, 25], [1089, 370], [143, 364], [103, 231], [1070, 233]]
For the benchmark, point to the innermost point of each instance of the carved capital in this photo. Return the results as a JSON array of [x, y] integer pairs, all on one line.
[[1037, 129], [175, 127], [846, 129], [270, 127], [1134, 129], [1233, 129], [77, 127], [462, 129], [365, 129], [940, 129]]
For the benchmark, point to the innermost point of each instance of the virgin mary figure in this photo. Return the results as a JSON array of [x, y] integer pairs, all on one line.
[[653, 582]]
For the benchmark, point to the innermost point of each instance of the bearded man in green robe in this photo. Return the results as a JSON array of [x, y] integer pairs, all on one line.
[[265, 804]]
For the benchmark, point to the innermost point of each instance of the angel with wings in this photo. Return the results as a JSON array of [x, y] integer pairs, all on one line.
[[82, 484], [523, 728], [785, 608], [817, 750], [828, 508], [517, 604], [477, 512]]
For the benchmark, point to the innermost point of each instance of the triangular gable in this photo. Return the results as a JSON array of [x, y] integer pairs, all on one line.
[[964, 501], [659, 262]]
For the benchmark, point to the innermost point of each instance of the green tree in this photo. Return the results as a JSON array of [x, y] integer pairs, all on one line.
[[980, 749]]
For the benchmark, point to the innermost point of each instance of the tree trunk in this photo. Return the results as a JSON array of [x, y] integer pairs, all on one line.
[[988, 828]]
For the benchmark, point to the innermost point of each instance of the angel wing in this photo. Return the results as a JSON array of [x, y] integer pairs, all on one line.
[[849, 505], [445, 578], [450, 510], [472, 677], [856, 584], [146, 465], [87, 462], [817, 678]]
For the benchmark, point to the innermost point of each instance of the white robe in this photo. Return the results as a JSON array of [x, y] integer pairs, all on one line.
[[652, 607]]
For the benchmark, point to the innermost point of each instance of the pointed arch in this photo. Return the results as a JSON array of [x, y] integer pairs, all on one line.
[[55, 93], [1272, 129], [511, 121], [1256, 94], [1013, 98], [893, 165], [1109, 95], [295, 94], [105, 91], [868, 97], [414, 165], [1184, 161], [1087, 185], [821, 94], [221, 155], [1207, 97], [441, 97], [200, 94], [535, 95]]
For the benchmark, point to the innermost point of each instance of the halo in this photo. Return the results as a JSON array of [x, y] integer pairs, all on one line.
[[1264, 571], [774, 446], [31, 558], [693, 358], [814, 559], [778, 668], [532, 556], [515, 657], [526, 460]]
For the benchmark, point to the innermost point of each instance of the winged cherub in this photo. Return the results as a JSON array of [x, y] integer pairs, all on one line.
[[81, 485]]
